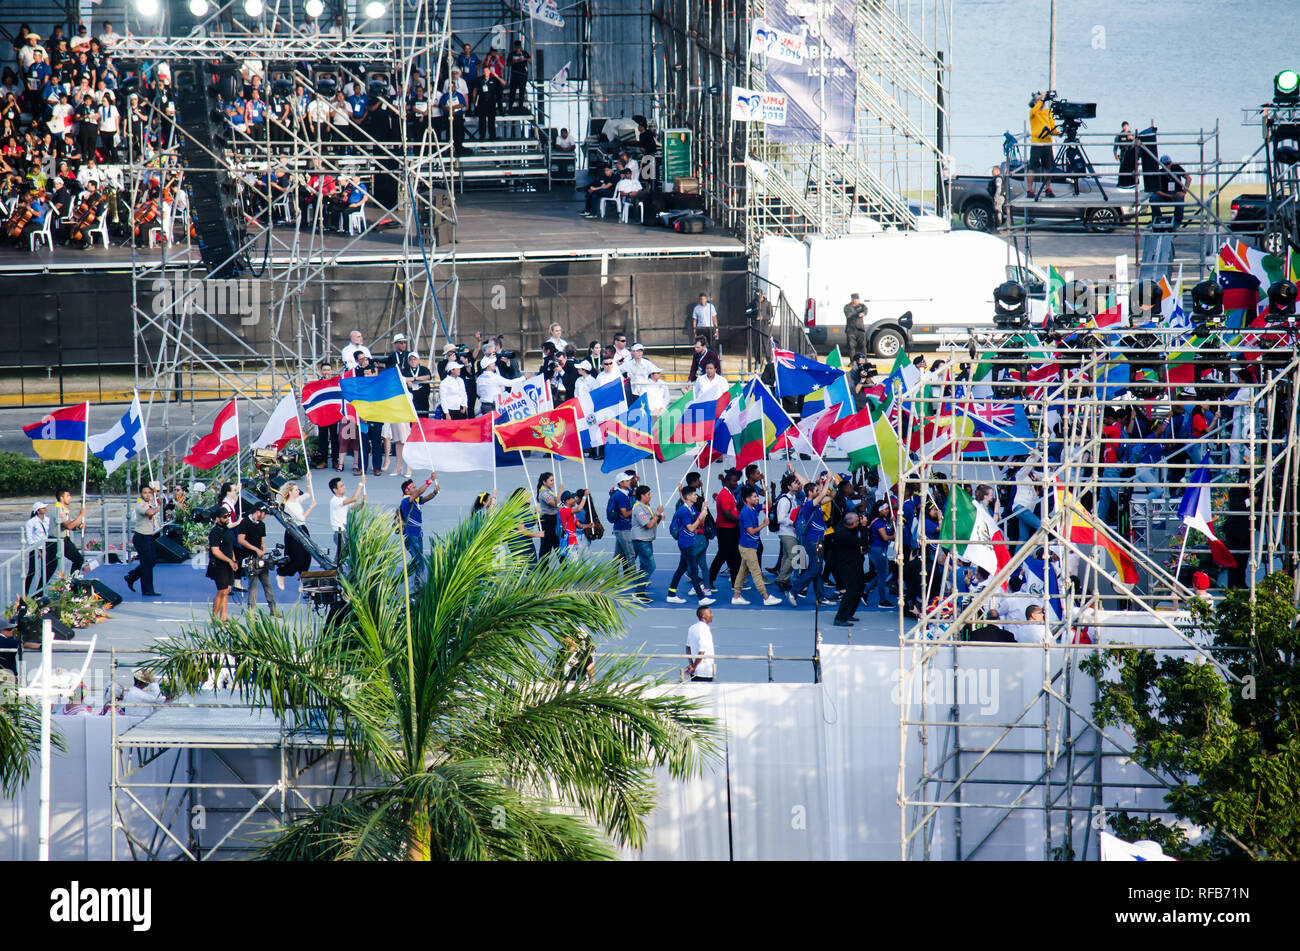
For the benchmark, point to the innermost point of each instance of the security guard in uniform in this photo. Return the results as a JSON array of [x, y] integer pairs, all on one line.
[[855, 324]]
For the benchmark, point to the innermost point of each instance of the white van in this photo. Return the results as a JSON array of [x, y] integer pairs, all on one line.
[[945, 279]]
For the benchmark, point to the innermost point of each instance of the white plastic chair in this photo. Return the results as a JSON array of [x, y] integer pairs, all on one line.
[[625, 206], [42, 234], [356, 221], [608, 201]]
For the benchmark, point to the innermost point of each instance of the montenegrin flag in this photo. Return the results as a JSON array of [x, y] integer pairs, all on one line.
[[220, 444], [451, 445], [60, 434], [380, 399], [554, 431]]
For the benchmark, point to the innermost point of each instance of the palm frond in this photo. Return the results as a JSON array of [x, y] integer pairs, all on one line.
[[20, 739]]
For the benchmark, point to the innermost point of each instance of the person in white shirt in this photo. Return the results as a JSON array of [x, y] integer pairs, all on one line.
[[144, 692], [621, 353], [638, 369], [339, 502], [457, 83], [699, 646], [490, 384], [355, 342], [318, 117], [704, 319], [711, 385], [80, 40], [451, 393], [40, 550], [108, 122], [565, 142], [628, 190], [557, 338], [1034, 630], [108, 39], [26, 54], [656, 394], [787, 509]]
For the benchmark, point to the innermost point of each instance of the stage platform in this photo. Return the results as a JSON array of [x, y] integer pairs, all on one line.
[[491, 226]]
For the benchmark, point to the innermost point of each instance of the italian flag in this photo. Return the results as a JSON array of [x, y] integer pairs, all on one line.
[[969, 530], [868, 440]]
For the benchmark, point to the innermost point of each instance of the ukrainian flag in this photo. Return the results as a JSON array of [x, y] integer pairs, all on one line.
[[61, 434], [380, 399]]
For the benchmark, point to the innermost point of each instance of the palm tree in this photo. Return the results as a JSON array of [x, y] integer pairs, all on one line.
[[20, 737], [475, 705]]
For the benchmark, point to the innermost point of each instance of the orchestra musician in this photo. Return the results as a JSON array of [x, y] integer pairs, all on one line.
[[89, 211], [28, 214], [145, 213]]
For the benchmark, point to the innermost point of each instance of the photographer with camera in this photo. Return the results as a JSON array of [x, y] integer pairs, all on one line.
[[1042, 133], [251, 548]]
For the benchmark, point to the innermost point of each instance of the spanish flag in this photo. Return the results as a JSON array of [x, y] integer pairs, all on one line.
[[380, 399], [61, 434]]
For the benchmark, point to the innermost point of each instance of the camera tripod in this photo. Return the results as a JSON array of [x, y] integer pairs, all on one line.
[[1071, 162]]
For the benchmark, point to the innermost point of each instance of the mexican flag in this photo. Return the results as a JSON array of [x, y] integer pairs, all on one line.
[[969, 530], [869, 441]]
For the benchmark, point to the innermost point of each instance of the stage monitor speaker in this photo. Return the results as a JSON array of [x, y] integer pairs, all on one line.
[[170, 551], [107, 594], [29, 628], [217, 219]]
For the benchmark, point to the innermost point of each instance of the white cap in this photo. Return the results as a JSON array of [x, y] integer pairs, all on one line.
[[399, 337], [583, 365], [37, 506], [489, 359], [637, 346], [453, 365]]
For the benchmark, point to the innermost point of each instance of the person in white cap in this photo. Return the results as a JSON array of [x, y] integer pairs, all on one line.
[[401, 347], [491, 384], [40, 550], [638, 369], [451, 393]]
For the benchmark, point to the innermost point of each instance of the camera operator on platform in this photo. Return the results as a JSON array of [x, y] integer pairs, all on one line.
[[1042, 132]]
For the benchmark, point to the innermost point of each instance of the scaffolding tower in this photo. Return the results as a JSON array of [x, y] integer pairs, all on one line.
[[961, 769], [189, 346]]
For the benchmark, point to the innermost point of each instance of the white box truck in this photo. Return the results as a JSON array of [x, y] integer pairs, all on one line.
[[945, 279]]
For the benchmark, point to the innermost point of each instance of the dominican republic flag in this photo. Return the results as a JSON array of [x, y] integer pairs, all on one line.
[[1194, 510], [797, 375], [451, 445], [125, 439], [322, 401], [220, 444], [1114, 849], [283, 427]]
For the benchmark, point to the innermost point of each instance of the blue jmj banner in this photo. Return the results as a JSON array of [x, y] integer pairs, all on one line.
[[826, 74]]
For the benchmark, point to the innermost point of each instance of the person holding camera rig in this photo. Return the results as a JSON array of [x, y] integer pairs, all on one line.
[[1042, 132], [251, 540]]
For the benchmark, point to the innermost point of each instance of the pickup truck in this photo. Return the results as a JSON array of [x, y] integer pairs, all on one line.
[[972, 203], [1251, 214]]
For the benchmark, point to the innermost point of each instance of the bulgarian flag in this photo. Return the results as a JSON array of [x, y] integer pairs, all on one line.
[[868, 440], [969, 530], [1084, 528]]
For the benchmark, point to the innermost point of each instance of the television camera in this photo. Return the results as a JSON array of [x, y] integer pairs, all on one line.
[[1069, 114]]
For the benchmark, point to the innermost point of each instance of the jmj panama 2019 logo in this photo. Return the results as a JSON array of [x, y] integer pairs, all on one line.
[[218, 297]]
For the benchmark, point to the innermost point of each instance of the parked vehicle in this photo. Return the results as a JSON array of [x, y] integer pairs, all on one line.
[[973, 202], [1264, 220], [944, 279]]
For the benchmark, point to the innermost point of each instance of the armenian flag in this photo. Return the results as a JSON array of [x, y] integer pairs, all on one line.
[[380, 399], [60, 434]]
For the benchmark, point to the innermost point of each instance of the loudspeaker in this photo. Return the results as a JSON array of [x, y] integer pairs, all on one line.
[[217, 218], [170, 551], [29, 628], [107, 594]]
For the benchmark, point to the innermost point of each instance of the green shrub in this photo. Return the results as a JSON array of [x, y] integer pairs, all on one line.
[[24, 476]]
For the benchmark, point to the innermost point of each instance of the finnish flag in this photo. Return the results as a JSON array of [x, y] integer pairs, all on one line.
[[125, 439]]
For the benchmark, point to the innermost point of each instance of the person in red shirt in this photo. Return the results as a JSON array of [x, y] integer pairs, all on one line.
[[569, 502], [727, 521]]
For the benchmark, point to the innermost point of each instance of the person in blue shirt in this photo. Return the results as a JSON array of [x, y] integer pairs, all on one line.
[[254, 110], [358, 102], [621, 506], [881, 533], [468, 63], [687, 528], [453, 107], [811, 540], [412, 518], [751, 526]]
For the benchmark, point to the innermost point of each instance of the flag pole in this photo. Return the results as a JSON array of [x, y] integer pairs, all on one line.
[[494, 454], [144, 430], [302, 438], [1186, 531]]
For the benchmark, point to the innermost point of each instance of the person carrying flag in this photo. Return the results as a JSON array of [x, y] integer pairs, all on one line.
[[68, 525], [412, 518]]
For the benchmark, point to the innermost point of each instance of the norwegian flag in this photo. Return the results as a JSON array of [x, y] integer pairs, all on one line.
[[322, 401]]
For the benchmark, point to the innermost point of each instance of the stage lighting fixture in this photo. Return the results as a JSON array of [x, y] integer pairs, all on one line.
[[1143, 301], [1286, 87], [1207, 299], [1010, 306], [1286, 143], [147, 8], [199, 8], [314, 8], [1076, 300], [1281, 302], [253, 7], [374, 10]]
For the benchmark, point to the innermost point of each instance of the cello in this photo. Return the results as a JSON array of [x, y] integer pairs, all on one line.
[[22, 216], [87, 214], [145, 214]]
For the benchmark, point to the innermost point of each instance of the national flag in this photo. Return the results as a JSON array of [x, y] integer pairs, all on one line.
[[1003, 426], [629, 437], [1055, 292], [322, 401], [1111, 314], [60, 434], [125, 439], [1115, 374], [1040, 579], [970, 532], [588, 434], [605, 397], [220, 444], [1195, 512], [940, 437], [810, 434], [837, 394], [1172, 314], [560, 79], [775, 419], [748, 438], [1084, 528], [797, 375], [554, 431], [868, 441], [666, 425], [451, 445], [720, 447], [283, 426], [1114, 849], [1180, 367], [505, 459], [697, 420], [380, 399]]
